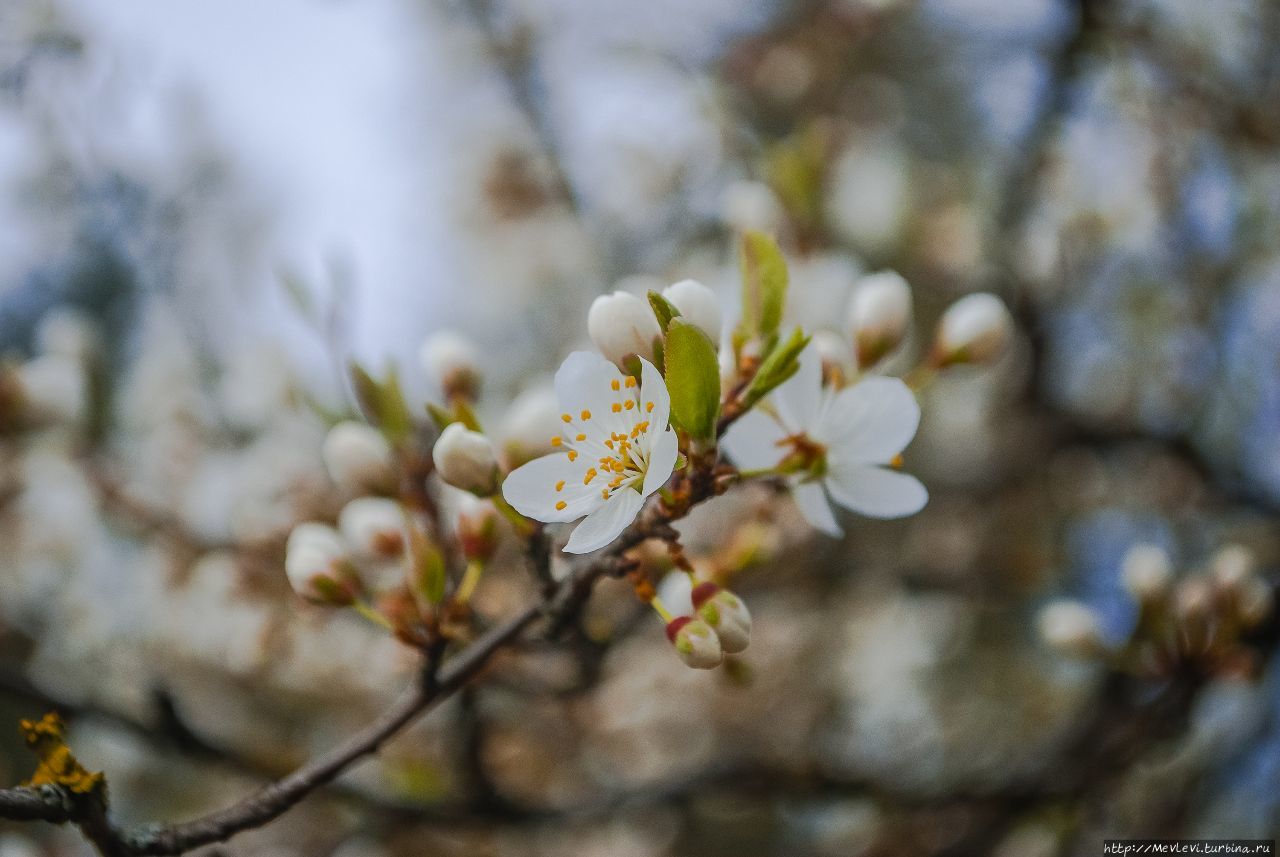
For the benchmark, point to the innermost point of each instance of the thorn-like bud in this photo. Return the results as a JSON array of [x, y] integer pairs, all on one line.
[[698, 305], [879, 315], [975, 329], [1146, 572], [358, 457], [52, 389], [476, 525], [466, 459], [1071, 628], [373, 527], [695, 642], [318, 567], [453, 362], [530, 423], [726, 614], [622, 326]]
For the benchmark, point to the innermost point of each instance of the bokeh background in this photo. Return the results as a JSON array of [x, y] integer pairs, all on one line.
[[207, 209]]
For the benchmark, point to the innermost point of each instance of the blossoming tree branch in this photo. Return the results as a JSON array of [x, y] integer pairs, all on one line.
[[672, 410]]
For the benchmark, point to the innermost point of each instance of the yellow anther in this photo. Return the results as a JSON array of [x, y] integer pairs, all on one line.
[[566, 418], [586, 415], [648, 408], [631, 381], [591, 474], [560, 505], [581, 438], [557, 440], [604, 492], [630, 403], [616, 386], [896, 461], [573, 455], [609, 443], [560, 485], [617, 407]]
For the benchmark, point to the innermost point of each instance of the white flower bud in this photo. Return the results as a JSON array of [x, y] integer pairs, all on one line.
[[695, 642], [1194, 600], [358, 457], [530, 423], [622, 325], [1070, 628], [747, 205], [466, 459], [476, 525], [318, 567], [975, 329], [52, 389], [879, 314], [1254, 601], [1232, 567], [698, 305], [1146, 572], [453, 362], [373, 527], [726, 614]]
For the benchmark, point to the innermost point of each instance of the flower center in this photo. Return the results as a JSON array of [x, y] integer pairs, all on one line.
[[806, 456], [612, 445]]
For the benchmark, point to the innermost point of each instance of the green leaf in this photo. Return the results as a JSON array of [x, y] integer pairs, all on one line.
[[693, 379], [382, 403], [664, 309], [429, 575], [778, 366], [764, 284]]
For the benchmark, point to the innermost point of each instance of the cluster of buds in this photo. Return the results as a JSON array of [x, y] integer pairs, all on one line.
[[719, 625], [1201, 620]]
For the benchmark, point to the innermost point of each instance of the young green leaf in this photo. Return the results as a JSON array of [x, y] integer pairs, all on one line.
[[780, 364], [663, 309], [693, 379], [764, 284], [428, 578], [382, 404]]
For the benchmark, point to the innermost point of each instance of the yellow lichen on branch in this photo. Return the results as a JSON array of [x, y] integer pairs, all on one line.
[[58, 766]]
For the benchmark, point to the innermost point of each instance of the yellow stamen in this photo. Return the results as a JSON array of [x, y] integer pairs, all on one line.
[[580, 438], [896, 461], [648, 409], [591, 474], [557, 440], [609, 443], [631, 382], [573, 455], [560, 505], [560, 485], [630, 403], [617, 407], [566, 418], [616, 386], [604, 492]]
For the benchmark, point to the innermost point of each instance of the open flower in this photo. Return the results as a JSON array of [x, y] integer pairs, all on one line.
[[615, 450], [838, 441]]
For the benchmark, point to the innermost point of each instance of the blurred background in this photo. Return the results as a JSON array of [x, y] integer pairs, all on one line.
[[206, 210]]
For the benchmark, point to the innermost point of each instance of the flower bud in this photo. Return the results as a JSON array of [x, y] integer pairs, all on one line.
[[52, 389], [1070, 628], [466, 459], [698, 305], [622, 325], [476, 525], [726, 614], [695, 642], [317, 565], [373, 527], [750, 205], [879, 314], [975, 329], [1232, 567], [358, 457], [530, 423], [1146, 572], [1254, 601], [452, 361]]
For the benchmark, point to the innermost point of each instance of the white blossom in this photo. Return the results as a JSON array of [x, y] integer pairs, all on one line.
[[834, 442], [452, 362], [616, 447], [53, 389], [466, 459], [879, 314], [318, 566], [974, 329], [622, 326], [531, 420], [1070, 627], [358, 457], [1146, 572], [698, 305], [373, 527]]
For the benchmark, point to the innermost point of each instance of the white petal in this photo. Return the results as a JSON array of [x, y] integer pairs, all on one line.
[[752, 441], [654, 389], [531, 489], [584, 381], [606, 523], [875, 491], [662, 460], [870, 422], [813, 505], [799, 399]]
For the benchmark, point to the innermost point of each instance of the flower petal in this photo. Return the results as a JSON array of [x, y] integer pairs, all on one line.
[[875, 491], [606, 523], [870, 422], [813, 505], [662, 460], [752, 441], [531, 489], [654, 389], [584, 381], [799, 398]]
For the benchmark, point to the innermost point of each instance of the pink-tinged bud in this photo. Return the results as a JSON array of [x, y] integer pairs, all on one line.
[[623, 326], [695, 642], [476, 526], [1071, 628], [466, 459], [879, 315], [975, 329], [358, 457], [373, 527], [452, 362], [318, 567], [725, 613]]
